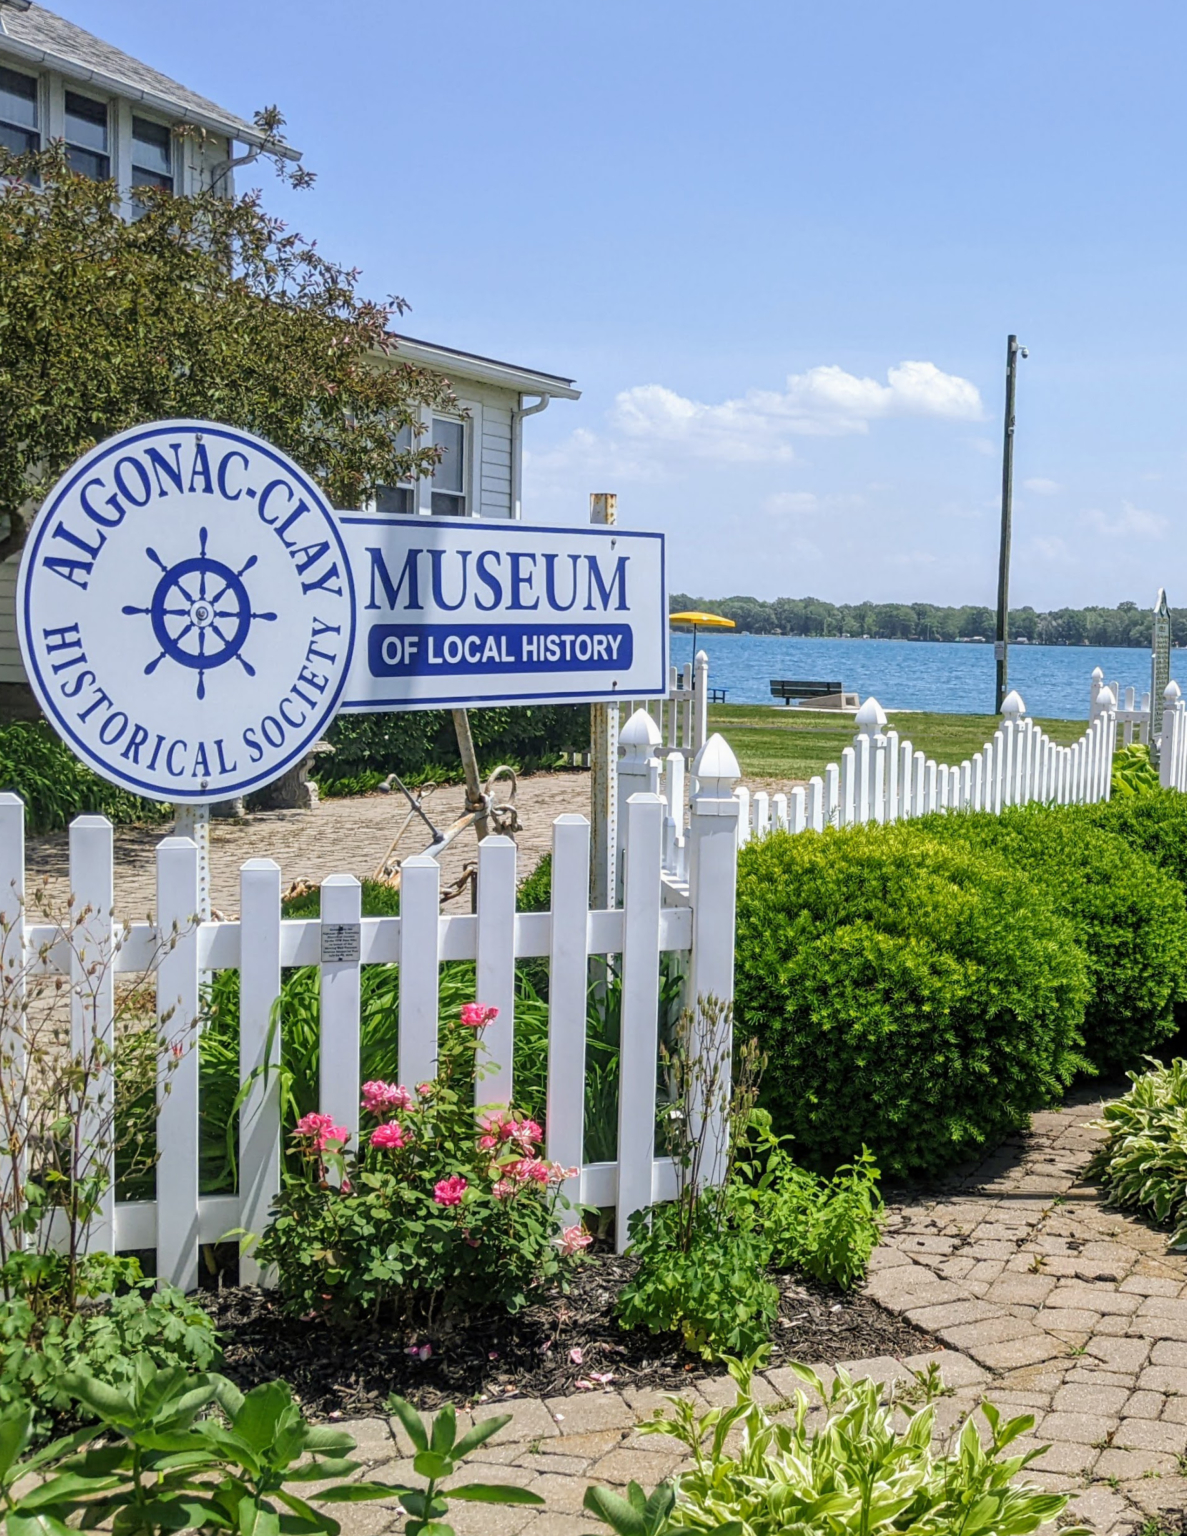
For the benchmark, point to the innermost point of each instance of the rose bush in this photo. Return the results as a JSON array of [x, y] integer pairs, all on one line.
[[435, 1212]]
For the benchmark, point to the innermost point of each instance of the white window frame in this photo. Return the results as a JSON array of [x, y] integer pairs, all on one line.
[[110, 106], [40, 100], [174, 147], [469, 414]]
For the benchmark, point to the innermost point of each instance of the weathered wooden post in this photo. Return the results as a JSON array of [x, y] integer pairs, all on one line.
[[1160, 669], [713, 876], [603, 760]]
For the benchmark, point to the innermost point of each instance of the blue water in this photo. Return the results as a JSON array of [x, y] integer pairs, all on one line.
[[904, 674]]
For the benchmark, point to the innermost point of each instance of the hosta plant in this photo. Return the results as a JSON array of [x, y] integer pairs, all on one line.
[[848, 1472], [1143, 1162]]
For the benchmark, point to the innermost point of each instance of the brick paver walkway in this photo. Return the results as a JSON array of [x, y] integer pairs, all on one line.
[[340, 837], [1047, 1303]]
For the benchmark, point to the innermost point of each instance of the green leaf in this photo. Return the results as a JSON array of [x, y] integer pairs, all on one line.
[[14, 1434], [104, 1402], [361, 1493], [260, 1416], [444, 1431], [481, 1433], [44, 1524], [432, 1464], [493, 1493], [614, 1510], [256, 1518], [410, 1419]]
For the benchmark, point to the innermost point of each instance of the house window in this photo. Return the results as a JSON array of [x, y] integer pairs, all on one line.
[[398, 498], [449, 478], [86, 137], [152, 154], [18, 112]]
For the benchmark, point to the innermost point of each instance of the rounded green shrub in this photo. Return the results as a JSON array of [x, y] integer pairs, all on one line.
[[1154, 824], [912, 996], [1129, 918]]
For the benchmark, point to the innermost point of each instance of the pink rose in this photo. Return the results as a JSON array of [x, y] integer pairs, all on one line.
[[477, 1015], [572, 1240], [391, 1135], [320, 1129], [380, 1098], [503, 1189], [425, 1090], [530, 1168], [450, 1191], [527, 1133]]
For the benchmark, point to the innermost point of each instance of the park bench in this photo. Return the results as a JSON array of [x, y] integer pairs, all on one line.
[[788, 689]]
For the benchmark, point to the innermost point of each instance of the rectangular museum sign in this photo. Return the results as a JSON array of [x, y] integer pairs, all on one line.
[[462, 611]]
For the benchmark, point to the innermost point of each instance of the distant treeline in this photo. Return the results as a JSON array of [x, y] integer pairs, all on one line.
[[1127, 624]]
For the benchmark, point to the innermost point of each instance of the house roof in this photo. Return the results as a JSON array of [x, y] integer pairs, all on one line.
[[30, 32], [470, 365]]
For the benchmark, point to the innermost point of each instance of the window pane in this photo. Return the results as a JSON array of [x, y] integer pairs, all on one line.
[[395, 498], [451, 436], [150, 179], [19, 140], [444, 504], [86, 122], [86, 163], [152, 151], [18, 98]]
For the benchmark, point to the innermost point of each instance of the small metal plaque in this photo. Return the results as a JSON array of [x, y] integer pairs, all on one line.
[[341, 943]]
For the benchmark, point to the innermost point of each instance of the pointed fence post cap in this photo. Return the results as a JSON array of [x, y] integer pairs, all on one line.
[[702, 659], [1105, 699], [1172, 692], [871, 716], [715, 768], [640, 731], [1097, 675], [1012, 703]]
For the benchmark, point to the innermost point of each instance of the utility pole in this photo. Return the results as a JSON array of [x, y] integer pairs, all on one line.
[[1002, 639]]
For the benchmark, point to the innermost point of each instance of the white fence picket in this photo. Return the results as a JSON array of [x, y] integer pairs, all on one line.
[[259, 1050], [640, 1005], [420, 948], [92, 1004], [13, 963], [178, 917], [495, 982], [567, 984], [341, 987]]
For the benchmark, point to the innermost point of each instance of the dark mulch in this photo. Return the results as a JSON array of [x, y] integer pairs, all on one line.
[[333, 1370]]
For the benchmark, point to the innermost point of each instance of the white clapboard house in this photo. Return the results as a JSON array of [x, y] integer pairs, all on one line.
[[124, 120]]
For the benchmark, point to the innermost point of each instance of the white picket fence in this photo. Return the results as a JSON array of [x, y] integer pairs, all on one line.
[[682, 719], [881, 778], [658, 915], [1131, 711], [1172, 757]]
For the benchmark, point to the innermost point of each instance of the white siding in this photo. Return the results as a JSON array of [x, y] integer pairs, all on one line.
[[495, 499], [11, 668]]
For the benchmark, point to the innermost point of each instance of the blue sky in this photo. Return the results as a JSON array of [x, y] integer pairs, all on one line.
[[779, 246]]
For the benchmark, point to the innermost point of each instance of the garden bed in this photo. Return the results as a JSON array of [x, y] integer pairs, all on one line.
[[339, 1371]]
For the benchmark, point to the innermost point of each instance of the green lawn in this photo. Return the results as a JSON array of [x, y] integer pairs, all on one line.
[[774, 742]]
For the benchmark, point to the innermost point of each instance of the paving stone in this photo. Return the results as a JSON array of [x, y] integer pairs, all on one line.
[[951, 1313], [785, 1383], [587, 1411], [956, 1369], [562, 1495], [530, 1420], [1083, 1428], [1151, 1285], [1113, 1325], [491, 1519], [645, 1467], [1170, 1379], [1154, 1494], [1169, 1352], [722, 1391], [995, 1330], [883, 1368], [373, 1437], [364, 1519], [1028, 1351], [1175, 1410], [550, 1524], [1131, 1464], [1120, 1354], [1065, 1320], [1094, 1298], [1098, 1507], [1150, 1435], [1080, 1398], [1032, 1290], [1144, 1405], [1069, 1458], [591, 1443]]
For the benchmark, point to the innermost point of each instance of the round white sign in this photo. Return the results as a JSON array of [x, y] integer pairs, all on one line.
[[186, 612]]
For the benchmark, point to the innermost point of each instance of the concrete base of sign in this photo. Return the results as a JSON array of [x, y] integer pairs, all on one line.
[[841, 701]]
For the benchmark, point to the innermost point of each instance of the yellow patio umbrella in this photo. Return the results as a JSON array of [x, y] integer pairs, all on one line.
[[700, 621]]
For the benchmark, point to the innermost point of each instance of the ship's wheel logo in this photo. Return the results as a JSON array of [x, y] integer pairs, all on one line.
[[201, 613]]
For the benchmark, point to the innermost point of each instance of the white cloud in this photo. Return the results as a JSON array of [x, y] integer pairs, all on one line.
[[825, 401], [1049, 548], [1133, 522], [791, 503], [1041, 486]]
